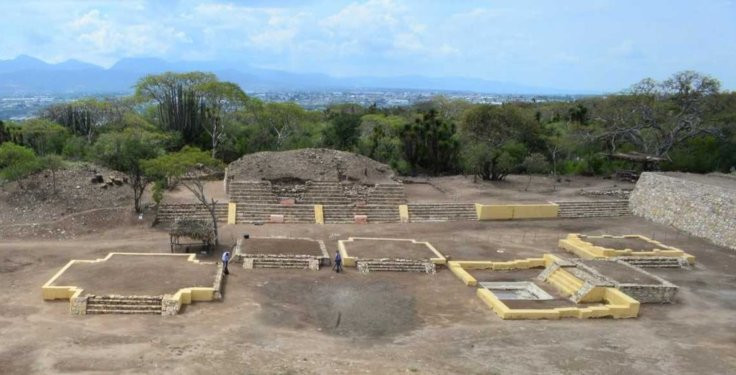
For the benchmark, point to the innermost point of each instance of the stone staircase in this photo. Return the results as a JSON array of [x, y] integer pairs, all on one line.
[[167, 213], [440, 212], [387, 194], [261, 213], [566, 283], [656, 262], [304, 262], [124, 305], [607, 208], [324, 192], [251, 192], [395, 265], [345, 214]]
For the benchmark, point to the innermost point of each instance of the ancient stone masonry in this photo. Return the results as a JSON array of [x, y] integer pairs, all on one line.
[[280, 260], [115, 304], [634, 281], [167, 213], [396, 265], [695, 206], [604, 208]]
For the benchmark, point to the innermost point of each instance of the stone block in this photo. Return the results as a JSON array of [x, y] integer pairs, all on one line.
[[78, 305], [275, 219], [361, 219]]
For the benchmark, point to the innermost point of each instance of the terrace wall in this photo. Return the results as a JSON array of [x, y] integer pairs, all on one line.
[[700, 209]]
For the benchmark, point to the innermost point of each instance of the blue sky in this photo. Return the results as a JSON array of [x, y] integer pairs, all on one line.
[[593, 45]]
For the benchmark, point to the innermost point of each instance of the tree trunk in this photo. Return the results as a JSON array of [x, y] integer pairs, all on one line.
[[214, 221], [528, 183]]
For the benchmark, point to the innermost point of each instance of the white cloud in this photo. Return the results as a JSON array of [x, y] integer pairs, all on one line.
[[98, 34]]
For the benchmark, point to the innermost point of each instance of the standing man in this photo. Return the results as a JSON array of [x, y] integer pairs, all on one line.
[[338, 262], [225, 261]]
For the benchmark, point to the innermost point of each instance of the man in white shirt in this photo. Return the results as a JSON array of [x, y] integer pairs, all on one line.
[[225, 261]]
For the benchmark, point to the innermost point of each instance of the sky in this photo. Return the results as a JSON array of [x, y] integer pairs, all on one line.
[[590, 45]]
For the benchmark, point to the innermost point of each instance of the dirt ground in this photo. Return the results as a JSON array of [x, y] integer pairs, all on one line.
[[34, 199], [373, 249], [291, 246], [138, 275], [636, 244], [319, 322]]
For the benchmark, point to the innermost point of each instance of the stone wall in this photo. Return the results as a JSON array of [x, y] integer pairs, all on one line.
[[700, 209], [650, 293]]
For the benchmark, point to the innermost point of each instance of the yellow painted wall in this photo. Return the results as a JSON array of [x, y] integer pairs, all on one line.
[[536, 211], [494, 212], [516, 211], [231, 210], [319, 214], [347, 261], [463, 275], [508, 265], [618, 306], [586, 250], [404, 213]]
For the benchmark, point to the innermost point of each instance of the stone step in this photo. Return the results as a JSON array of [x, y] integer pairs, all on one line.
[[366, 266], [124, 300], [281, 265], [121, 306], [97, 311]]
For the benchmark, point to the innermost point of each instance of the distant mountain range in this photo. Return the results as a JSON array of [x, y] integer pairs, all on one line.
[[26, 75]]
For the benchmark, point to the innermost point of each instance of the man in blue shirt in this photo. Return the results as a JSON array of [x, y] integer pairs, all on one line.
[[338, 262], [225, 261]]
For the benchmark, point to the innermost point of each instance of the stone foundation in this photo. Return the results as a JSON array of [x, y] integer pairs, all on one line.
[[701, 209], [78, 305]]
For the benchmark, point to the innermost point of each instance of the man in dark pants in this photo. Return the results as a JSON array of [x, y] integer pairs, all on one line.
[[338, 262], [225, 261]]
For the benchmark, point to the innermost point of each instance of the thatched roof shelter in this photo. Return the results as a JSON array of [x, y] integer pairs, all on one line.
[[196, 229]]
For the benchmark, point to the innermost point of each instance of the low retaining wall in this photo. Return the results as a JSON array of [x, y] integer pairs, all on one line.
[[516, 211], [170, 303], [697, 208]]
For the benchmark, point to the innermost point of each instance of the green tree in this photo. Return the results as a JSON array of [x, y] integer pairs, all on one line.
[[430, 143], [279, 126], [52, 163], [17, 162], [535, 163], [125, 150], [185, 168], [494, 136], [380, 138], [43, 136], [87, 117], [177, 99], [654, 117], [4, 134], [343, 131], [218, 100]]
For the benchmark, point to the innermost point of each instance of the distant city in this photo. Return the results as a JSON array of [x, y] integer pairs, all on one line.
[[28, 106]]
